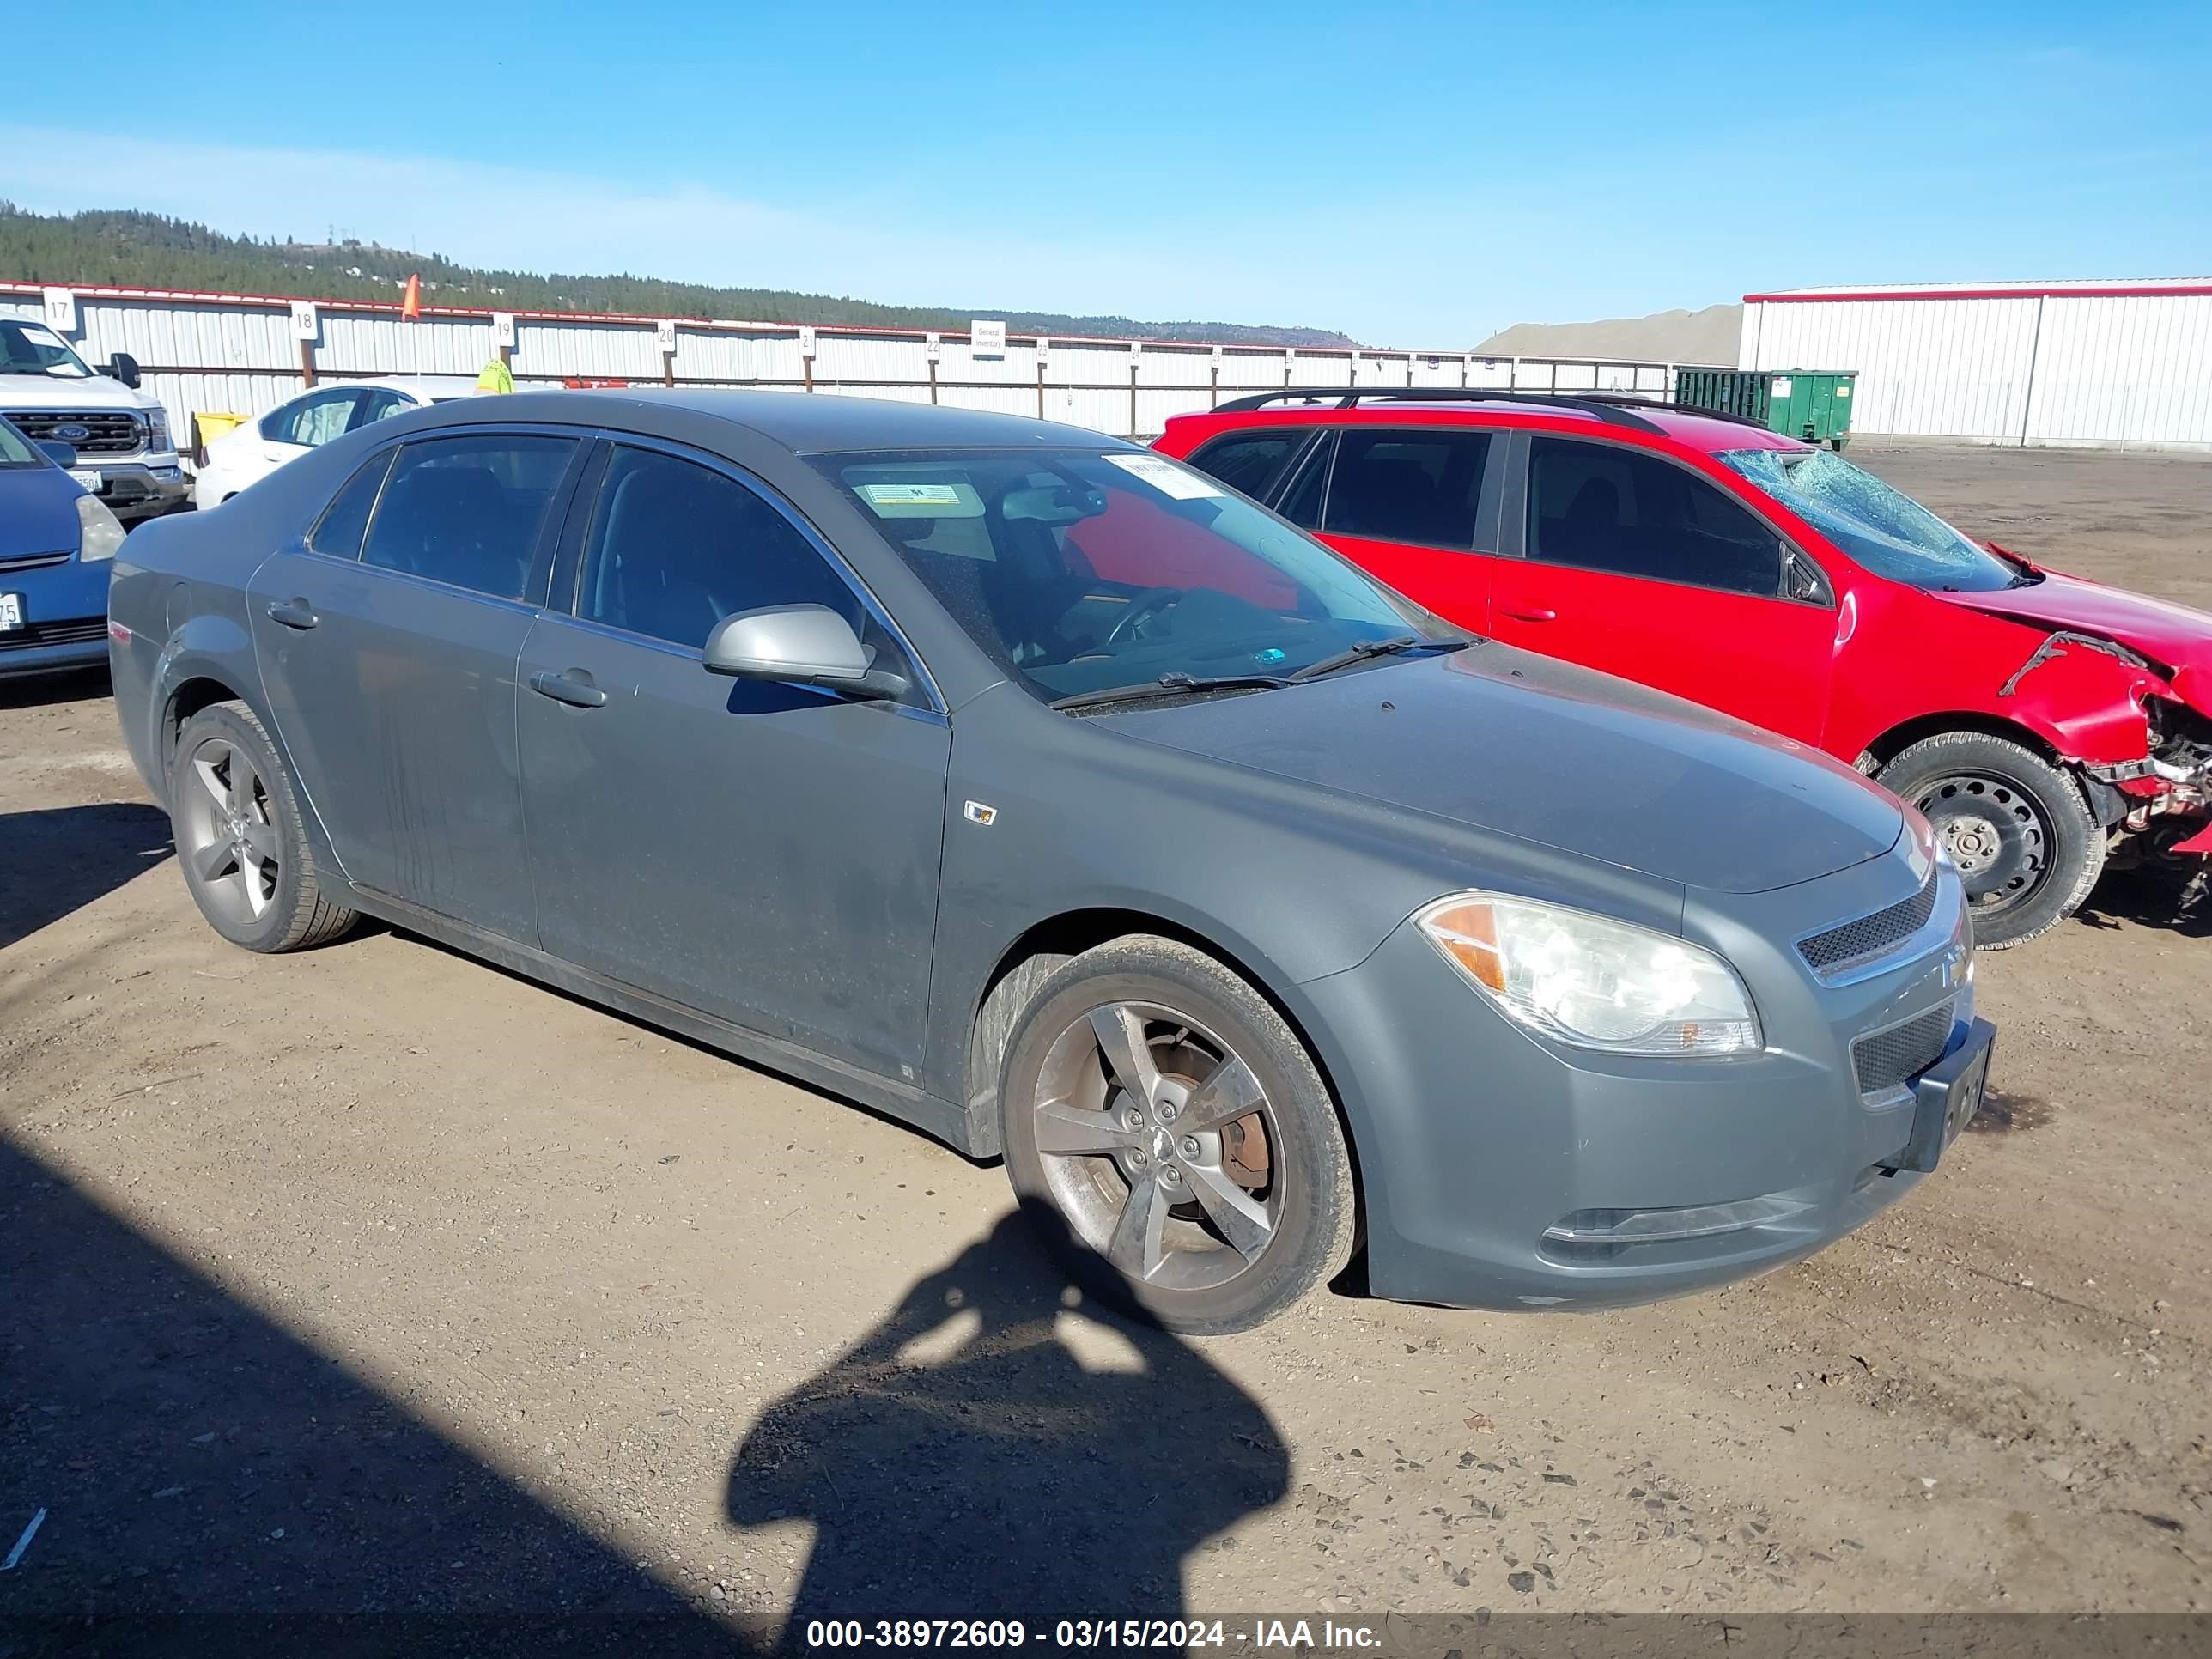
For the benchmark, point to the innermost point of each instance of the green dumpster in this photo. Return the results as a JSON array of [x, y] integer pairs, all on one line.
[[1812, 404]]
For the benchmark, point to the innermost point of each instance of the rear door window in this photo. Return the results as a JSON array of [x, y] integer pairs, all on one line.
[[1251, 462], [1600, 507], [1391, 484], [467, 511], [314, 420], [338, 532]]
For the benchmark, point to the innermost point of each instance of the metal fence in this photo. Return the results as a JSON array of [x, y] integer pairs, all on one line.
[[242, 354]]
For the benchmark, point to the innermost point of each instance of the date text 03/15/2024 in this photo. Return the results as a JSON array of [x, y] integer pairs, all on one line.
[[1288, 1634]]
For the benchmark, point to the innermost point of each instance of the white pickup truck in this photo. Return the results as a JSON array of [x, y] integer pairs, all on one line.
[[125, 452]]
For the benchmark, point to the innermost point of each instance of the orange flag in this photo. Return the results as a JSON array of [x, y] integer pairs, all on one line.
[[410, 303]]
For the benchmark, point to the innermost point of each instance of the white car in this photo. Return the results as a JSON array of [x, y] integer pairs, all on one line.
[[253, 450]]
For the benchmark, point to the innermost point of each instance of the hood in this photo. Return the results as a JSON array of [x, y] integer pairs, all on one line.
[[1521, 745], [2171, 635], [38, 512], [45, 391]]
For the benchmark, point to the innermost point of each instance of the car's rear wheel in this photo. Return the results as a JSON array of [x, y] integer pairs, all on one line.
[[239, 837], [2018, 828], [1181, 1131]]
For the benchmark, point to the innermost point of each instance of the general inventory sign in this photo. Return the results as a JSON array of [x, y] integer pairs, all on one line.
[[987, 339]]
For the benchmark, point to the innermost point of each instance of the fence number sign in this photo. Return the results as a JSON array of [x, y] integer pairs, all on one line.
[[502, 330], [806, 342], [664, 336], [61, 310], [934, 346], [987, 339], [303, 319]]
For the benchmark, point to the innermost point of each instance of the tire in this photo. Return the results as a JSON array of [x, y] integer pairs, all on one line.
[[1203, 1220], [2018, 828], [244, 851]]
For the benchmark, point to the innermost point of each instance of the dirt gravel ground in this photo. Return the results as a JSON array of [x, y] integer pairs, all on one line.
[[374, 1279]]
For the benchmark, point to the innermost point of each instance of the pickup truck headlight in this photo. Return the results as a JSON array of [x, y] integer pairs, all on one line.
[[100, 532], [1591, 983], [157, 430]]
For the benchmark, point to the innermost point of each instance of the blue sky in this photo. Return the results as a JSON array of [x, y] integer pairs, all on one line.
[[1415, 174]]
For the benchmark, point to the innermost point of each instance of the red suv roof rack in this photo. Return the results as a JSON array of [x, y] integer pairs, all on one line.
[[1612, 412]]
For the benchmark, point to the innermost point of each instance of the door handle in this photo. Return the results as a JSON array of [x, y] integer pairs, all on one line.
[[294, 613], [1533, 613], [573, 688]]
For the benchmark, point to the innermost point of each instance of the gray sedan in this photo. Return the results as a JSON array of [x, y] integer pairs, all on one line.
[[1044, 793]]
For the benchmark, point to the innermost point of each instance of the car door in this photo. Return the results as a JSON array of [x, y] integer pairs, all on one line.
[[387, 641], [1417, 507], [767, 854], [1635, 563]]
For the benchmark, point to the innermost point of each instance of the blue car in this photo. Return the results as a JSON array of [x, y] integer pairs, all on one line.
[[56, 546]]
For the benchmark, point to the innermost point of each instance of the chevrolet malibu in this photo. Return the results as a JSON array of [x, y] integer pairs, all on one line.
[[1033, 788]]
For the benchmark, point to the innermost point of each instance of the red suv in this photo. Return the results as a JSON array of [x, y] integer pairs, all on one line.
[[2041, 721]]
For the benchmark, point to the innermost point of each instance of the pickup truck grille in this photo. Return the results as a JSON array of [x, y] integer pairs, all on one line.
[[109, 432]]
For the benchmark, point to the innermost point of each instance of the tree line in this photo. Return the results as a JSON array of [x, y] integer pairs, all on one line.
[[125, 248]]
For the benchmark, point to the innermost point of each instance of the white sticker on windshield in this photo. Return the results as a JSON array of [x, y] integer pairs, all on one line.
[[44, 337], [1165, 477], [928, 498]]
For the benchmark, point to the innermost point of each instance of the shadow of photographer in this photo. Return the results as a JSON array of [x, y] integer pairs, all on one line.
[[963, 1461]]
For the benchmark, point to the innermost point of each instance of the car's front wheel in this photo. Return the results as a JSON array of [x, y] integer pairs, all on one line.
[[2018, 828], [1179, 1129], [239, 837]]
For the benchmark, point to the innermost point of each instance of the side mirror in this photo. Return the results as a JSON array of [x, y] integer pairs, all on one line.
[[61, 454], [125, 367], [801, 644]]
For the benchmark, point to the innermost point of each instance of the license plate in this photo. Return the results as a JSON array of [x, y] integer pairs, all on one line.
[[11, 611], [87, 477], [1966, 1096]]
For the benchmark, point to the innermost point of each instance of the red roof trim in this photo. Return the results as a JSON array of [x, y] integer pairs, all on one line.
[[2015, 291]]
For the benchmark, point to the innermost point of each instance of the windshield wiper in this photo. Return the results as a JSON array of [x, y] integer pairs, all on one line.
[[1171, 685], [1396, 645]]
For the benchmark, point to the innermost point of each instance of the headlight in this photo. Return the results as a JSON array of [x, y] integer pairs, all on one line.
[[1583, 979], [157, 429], [100, 532]]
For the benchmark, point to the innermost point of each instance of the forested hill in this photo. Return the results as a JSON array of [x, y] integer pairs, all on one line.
[[148, 250]]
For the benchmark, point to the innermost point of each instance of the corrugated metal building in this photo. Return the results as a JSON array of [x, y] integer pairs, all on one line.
[[2120, 364], [204, 353]]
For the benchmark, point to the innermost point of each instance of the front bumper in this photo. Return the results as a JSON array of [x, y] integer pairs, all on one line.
[[141, 490], [65, 610], [1503, 1171]]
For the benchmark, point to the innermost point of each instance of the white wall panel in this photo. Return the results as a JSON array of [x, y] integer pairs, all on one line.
[[2132, 368], [236, 354]]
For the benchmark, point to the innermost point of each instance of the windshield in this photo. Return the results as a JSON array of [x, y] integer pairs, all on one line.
[[16, 449], [1886, 530], [1078, 571], [35, 348]]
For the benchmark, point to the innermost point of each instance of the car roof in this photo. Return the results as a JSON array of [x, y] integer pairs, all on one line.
[[434, 385], [801, 423], [1543, 411]]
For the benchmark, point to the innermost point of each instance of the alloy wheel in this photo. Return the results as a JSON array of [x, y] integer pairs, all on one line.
[[1160, 1146], [230, 842]]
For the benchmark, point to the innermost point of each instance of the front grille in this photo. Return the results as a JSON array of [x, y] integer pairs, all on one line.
[[1888, 1060], [1870, 938], [54, 633], [33, 561], [108, 433]]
